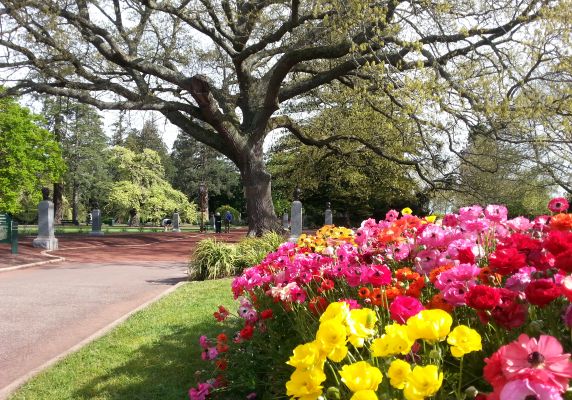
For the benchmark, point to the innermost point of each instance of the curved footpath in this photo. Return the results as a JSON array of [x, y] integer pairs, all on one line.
[[48, 310]]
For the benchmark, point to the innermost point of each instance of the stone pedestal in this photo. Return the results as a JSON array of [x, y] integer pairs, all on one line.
[[46, 238], [295, 221], [285, 222], [176, 222], [328, 220], [96, 223]]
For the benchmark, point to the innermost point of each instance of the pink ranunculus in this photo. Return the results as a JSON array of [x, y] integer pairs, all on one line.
[[427, 260], [519, 224], [523, 389], [404, 307], [450, 220], [541, 361], [391, 215], [201, 392], [379, 275], [496, 213], [470, 213], [433, 236], [558, 205]]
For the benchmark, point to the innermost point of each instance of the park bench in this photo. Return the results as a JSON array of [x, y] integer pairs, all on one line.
[[68, 222], [9, 232]]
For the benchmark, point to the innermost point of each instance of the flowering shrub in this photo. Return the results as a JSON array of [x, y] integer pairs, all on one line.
[[474, 305]]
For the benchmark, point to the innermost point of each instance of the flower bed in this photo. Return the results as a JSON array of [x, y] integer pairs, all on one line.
[[474, 305]]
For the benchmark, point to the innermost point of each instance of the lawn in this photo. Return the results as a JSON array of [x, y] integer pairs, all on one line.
[[153, 355]]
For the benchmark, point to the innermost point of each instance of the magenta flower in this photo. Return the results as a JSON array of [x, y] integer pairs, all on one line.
[[404, 307], [201, 392], [541, 361], [558, 204], [391, 215], [525, 389]]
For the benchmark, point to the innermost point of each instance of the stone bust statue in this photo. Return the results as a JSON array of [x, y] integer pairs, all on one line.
[[297, 193], [45, 193]]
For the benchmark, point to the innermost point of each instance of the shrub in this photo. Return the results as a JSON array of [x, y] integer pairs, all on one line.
[[212, 260], [252, 250], [235, 213]]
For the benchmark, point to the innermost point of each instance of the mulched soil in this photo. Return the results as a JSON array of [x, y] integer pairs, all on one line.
[[120, 247]]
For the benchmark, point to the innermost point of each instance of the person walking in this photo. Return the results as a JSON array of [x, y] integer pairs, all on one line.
[[227, 221]]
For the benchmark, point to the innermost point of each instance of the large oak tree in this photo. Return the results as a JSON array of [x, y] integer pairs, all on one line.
[[223, 71]]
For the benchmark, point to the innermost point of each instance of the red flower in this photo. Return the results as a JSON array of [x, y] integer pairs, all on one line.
[[558, 204], [221, 338], [326, 285], [558, 242], [266, 314], [318, 305], [509, 314], [376, 297], [221, 364], [482, 297], [563, 261], [221, 314], [222, 347], [542, 291], [246, 332], [466, 256], [506, 260]]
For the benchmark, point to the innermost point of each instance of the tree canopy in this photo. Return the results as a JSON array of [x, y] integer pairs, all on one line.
[[30, 157], [229, 72]]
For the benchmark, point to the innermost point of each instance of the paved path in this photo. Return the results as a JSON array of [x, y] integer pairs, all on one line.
[[48, 309]]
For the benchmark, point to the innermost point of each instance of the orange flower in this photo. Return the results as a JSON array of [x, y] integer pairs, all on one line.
[[363, 292], [561, 222], [486, 276], [437, 301], [377, 297], [392, 292]]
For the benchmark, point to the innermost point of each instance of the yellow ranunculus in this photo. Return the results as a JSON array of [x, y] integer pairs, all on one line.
[[361, 324], [361, 376], [306, 356], [364, 395], [331, 338], [338, 311], [406, 211], [464, 340], [396, 340], [423, 382], [306, 384], [430, 325], [431, 218], [398, 372]]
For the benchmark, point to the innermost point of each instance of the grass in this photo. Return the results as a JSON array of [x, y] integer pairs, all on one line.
[[26, 230], [153, 355]]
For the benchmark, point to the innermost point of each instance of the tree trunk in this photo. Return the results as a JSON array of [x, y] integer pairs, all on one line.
[[75, 203], [58, 202], [257, 191]]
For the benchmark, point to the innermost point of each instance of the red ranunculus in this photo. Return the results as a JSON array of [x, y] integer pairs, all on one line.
[[246, 332], [466, 256], [266, 314], [482, 297], [510, 315], [542, 291], [404, 307], [506, 260], [318, 305], [564, 261], [558, 242]]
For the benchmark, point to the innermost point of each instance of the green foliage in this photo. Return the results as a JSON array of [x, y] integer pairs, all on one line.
[[141, 186], [235, 213], [252, 250], [196, 163], [29, 156], [213, 259]]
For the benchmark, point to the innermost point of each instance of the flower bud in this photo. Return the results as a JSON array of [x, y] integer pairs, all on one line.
[[471, 392], [435, 354], [333, 393]]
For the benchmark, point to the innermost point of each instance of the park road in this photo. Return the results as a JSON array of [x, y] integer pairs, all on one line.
[[48, 309]]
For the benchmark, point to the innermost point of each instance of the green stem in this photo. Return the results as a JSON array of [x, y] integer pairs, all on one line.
[[460, 384]]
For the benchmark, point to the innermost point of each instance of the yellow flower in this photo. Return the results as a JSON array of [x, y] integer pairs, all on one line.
[[398, 372], [396, 340], [406, 211], [431, 218], [423, 382], [430, 325], [361, 376], [306, 384], [364, 395], [361, 324], [338, 311], [464, 340], [306, 356], [331, 337]]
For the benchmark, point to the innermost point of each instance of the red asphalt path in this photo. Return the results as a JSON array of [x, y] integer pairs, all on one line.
[[46, 310]]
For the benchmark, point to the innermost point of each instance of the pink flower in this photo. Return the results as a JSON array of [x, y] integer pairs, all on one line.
[[540, 361], [201, 392], [432, 236], [470, 213], [404, 307], [450, 220], [519, 224], [391, 215], [378, 275], [427, 260], [496, 213], [558, 205], [525, 389]]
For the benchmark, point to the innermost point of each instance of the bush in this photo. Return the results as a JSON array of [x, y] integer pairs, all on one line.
[[252, 250], [212, 260], [235, 213]]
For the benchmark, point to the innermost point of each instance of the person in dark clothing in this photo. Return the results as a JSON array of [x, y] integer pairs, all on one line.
[[218, 223]]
